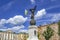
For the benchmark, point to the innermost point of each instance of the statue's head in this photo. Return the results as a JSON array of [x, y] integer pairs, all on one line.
[[33, 9]]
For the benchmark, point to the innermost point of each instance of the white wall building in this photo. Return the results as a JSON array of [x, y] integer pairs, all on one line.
[[8, 35]]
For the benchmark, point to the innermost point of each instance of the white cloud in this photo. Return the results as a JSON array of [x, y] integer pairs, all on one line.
[[32, 1], [50, 18], [55, 17], [40, 13], [17, 19], [52, 7], [23, 31], [3, 29], [15, 28], [2, 22]]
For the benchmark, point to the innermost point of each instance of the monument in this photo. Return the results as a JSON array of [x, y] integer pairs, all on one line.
[[32, 31]]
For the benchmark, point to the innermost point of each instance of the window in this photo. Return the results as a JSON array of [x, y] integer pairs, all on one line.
[[35, 32]]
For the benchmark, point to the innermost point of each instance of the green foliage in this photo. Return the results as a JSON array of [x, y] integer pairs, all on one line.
[[48, 33], [59, 28], [1, 31], [38, 35]]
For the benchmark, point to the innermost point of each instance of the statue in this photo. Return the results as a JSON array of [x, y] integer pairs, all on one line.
[[32, 22], [32, 31]]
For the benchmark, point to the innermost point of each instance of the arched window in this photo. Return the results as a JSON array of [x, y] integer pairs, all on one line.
[[34, 32]]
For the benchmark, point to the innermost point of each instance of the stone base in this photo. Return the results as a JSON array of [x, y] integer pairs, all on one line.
[[33, 38]]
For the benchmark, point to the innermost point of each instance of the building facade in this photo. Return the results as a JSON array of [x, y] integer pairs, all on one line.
[[8, 35], [54, 27], [22, 36]]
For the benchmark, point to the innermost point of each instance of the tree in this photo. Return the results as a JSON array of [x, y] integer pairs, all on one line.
[[38, 35], [59, 29], [48, 33]]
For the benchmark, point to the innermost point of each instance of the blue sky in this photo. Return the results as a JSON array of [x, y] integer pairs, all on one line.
[[12, 15]]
